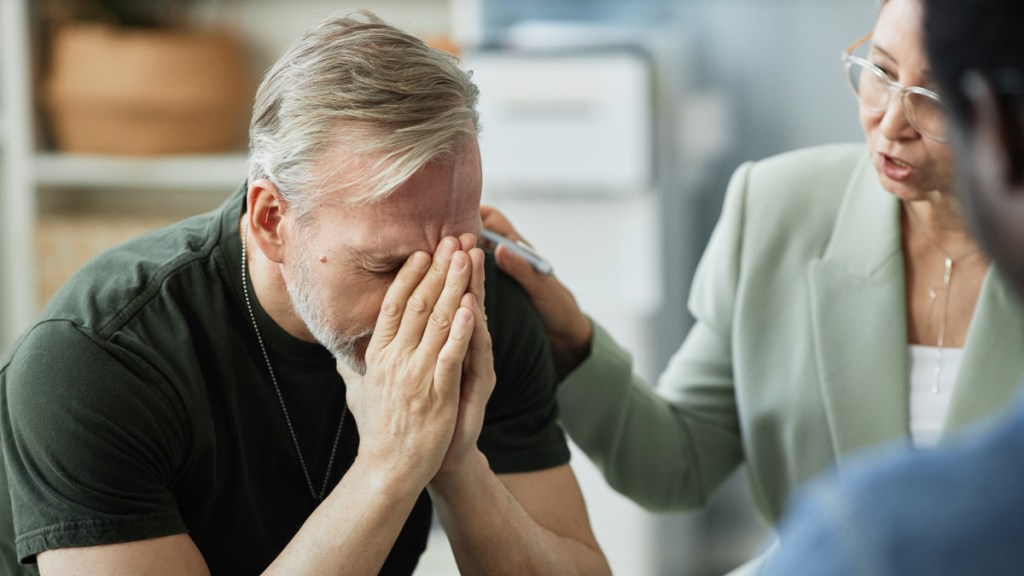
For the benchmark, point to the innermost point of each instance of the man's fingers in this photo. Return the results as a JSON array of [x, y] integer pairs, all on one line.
[[397, 295], [479, 354], [440, 321], [420, 304], [468, 241], [448, 370], [479, 365], [476, 282], [480, 345]]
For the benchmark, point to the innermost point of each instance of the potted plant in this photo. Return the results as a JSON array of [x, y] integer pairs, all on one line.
[[135, 78]]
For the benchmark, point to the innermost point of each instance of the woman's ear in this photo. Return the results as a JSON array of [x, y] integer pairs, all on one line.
[[265, 211]]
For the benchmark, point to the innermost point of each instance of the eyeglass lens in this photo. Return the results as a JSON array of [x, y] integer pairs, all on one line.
[[872, 88]]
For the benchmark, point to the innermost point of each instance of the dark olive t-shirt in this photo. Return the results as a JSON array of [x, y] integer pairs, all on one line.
[[139, 406]]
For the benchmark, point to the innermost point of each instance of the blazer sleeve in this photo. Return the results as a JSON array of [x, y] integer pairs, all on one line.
[[671, 446]]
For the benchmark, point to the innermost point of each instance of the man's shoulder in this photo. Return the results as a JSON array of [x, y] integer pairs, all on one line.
[[504, 298], [113, 286], [520, 433], [979, 456], [955, 510], [509, 309], [517, 334]]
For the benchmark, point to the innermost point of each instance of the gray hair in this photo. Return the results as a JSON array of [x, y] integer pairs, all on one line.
[[361, 87]]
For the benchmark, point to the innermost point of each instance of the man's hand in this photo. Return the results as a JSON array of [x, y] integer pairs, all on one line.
[[528, 523], [477, 370], [407, 403]]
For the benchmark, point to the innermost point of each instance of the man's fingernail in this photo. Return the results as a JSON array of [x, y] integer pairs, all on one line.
[[419, 260], [448, 246]]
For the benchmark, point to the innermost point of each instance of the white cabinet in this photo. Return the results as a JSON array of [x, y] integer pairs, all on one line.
[[576, 123]]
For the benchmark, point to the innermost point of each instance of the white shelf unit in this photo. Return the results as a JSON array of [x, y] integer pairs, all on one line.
[[213, 171], [17, 212]]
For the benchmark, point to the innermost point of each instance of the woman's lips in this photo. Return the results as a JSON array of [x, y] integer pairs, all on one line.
[[894, 168]]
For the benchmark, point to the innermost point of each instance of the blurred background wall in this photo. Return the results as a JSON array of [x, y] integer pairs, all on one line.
[[610, 128]]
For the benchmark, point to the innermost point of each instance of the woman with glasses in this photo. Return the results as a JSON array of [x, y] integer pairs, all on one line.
[[841, 303]]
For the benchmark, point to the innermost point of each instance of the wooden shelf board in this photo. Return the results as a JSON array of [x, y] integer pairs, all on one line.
[[96, 171]]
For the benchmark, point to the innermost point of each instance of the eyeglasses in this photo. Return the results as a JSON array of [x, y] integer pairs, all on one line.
[[873, 89]]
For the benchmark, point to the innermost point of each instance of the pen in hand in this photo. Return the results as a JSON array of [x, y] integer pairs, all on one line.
[[522, 250]]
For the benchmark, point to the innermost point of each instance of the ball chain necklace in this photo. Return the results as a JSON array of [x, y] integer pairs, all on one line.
[[933, 293], [318, 496]]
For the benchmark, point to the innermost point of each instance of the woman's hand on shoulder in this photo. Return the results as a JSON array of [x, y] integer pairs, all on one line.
[[568, 329]]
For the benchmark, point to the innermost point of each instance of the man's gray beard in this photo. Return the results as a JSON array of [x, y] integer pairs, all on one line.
[[309, 305]]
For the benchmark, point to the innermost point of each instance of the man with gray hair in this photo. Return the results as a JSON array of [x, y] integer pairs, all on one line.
[[286, 384]]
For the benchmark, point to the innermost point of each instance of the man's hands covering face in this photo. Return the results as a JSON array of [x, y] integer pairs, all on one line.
[[429, 366], [477, 370]]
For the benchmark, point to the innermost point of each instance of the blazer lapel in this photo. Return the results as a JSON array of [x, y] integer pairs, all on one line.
[[859, 319], [993, 359]]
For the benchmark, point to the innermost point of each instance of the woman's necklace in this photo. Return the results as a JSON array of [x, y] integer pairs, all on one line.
[[933, 293], [318, 496]]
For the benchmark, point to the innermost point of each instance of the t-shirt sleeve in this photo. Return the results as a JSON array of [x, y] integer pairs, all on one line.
[[521, 431], [92, 438]]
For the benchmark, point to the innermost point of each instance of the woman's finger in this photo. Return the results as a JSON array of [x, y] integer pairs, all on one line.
[[493, 219], [519, 269]]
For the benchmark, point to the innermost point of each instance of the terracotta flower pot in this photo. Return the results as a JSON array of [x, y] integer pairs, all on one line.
[[142, 91]]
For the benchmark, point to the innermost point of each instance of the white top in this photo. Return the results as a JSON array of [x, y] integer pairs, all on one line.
[[928, 406]]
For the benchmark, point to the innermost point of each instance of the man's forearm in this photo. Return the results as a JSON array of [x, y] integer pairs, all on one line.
[[354, 528], [492, 533], [350, 533]]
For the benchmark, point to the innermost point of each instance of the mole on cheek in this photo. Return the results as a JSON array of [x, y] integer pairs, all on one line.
[[323, 259]]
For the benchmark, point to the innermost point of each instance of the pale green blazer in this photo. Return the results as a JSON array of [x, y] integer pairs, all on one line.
[[799, 353]]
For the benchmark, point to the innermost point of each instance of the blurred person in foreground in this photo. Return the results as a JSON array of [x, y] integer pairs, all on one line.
[[958, 510], [286, 384], [841, 303]]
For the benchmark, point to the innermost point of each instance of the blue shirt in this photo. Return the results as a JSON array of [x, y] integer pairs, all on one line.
[[958, 510]]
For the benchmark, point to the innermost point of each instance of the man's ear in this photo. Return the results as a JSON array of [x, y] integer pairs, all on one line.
[[997, 134], [265, 215]]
